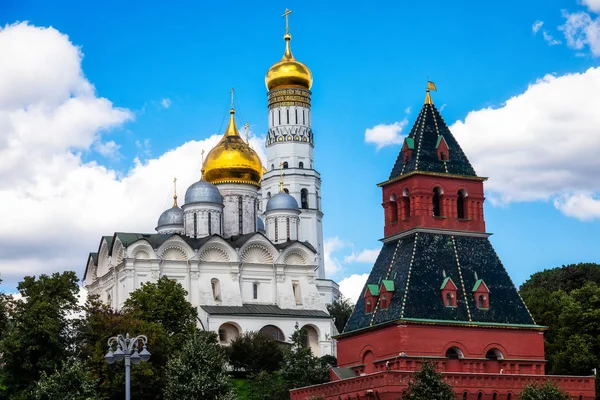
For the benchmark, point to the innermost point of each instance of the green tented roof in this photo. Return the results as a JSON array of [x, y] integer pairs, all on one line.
[[477, 284], [389, 285], [374, 289], [445, 282]]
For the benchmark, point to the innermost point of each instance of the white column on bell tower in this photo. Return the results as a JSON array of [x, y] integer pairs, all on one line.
[[290, 142]]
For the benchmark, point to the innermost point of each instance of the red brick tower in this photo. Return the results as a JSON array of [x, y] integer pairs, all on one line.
[[438, 290]]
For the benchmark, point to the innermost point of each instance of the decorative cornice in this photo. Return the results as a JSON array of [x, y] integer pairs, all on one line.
[[436, 174], [435, 231], [289, 97]]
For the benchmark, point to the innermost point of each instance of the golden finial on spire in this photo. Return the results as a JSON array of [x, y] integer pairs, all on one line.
[[202, 165], [232, 91], [430, 86], [175, 193], [280, 177], [246, 129], [287, 25]]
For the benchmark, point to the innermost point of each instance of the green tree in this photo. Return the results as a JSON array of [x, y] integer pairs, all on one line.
[[164, 303], [4, 307], [545, 391], [255, 352], [567, 300], [300, 367], [267, 386], [340, 310], [427, 384], [39, 336], [71, 382], [198, 370], [101, 323]]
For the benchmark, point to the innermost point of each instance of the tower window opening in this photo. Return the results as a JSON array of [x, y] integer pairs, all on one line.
[[437, 202], [195, 225], [449, 300], [393, 207], [453, 353], [285, 165], [287, 227], [296, 291], [406, 203], [495, 396], [300, 165], [269, 195], [209, 223], [216, 289], [443, 156], [296, 112], [288, 115], [461, 204], [479, 396], [276, 230], [303, 123], [272, 117], [272, 166], [255, 290], [304, 198], [465, 395], [279, 117], [509, 396], [240, 215], [481, 301]]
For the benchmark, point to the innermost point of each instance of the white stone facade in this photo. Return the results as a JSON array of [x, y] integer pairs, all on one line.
[[224, 273]]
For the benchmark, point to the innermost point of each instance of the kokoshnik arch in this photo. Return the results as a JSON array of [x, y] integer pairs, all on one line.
[[438, 290], [247, 244]]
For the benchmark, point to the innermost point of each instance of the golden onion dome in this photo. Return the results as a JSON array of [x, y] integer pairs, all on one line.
[[232, 160], [288, 72]]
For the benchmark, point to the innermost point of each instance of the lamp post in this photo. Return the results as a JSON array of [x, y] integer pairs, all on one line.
[[127, 349]]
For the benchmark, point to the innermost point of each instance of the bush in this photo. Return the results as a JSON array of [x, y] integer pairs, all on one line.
[[255, 352]]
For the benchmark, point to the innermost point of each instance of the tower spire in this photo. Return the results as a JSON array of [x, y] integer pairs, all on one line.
[[430, 86], [175, 193], [287, 37], [231, 128], [280, 177]]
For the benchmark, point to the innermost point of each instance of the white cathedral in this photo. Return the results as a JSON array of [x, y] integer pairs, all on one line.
[[247, 244]]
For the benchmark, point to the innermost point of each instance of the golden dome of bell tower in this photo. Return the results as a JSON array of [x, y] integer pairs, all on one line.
[[232, 160], [288, 72]]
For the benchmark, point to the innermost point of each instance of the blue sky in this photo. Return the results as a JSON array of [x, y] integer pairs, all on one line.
[[370, 66]]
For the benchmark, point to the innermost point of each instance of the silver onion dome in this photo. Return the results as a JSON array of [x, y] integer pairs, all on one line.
[[172, 216], [203, 192], [282, 201]]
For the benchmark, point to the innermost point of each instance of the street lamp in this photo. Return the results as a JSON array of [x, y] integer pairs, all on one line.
[[127, 349]]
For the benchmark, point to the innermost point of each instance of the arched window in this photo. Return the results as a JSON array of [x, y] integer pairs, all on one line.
[[465, 395], [393, 209], [383, 302], [296, 112], [287, 227], [269, 195], [279, 117], [461, 204], [495, 396], [195, 225], [304, 198], [209, 223], [406, 203], [449, 300], [288, 115], [509, 396], [272, 332], [272, 166], [481, 303], [216, 289], [285, 165], [437, 202], [272, 117], [303, 118], [255, 290], [300, 165], [479, 396], [453, 353], [276, 230], [494, 354], [369, 306]]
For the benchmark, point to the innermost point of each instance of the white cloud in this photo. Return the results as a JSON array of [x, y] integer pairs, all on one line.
[[332, 263], [166, 102], [537, 25], [352, 285], [109, 149], [385, 135], [550, 39], [407, 110], [368, 256], [581, 30], [541, 145], [55, 206], [592, 5]]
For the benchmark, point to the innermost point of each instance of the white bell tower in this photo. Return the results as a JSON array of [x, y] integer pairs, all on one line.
[[290, 144]]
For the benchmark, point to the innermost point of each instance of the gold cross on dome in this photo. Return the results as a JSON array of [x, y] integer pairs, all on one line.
[[202, 164], [285, 14], [174, 192]]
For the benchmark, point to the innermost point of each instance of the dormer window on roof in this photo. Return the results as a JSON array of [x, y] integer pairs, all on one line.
[[371, 297], [448, 290], [386, 290], [407, 148], [482, 295], [442, 149]]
